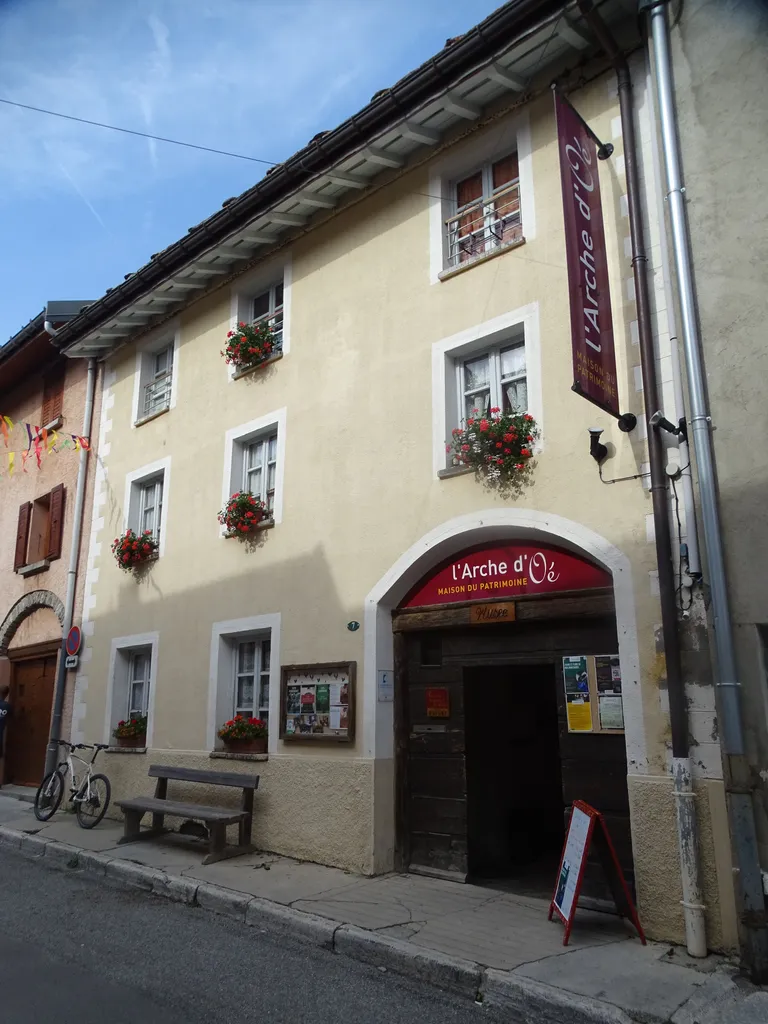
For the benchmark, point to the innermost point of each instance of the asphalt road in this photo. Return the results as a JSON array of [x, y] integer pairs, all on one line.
[[75, 951]]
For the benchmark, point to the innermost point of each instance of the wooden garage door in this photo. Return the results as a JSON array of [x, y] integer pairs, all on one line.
[[26, 738]]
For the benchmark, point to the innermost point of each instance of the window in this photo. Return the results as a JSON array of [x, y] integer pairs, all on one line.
[[39, 532], [268, 307], [132, 678], [251, 680], [53, 398], [138, 682], [493, 379], [154, 387], [260, 469], [151, 507], [146, 500], [487, 211], [254, 460], [157, 390]]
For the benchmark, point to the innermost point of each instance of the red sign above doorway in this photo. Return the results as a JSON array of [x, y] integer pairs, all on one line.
[[507, 571]]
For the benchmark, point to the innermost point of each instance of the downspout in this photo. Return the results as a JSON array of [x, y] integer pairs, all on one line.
[[738, 784], [685, 803], [51, 755]]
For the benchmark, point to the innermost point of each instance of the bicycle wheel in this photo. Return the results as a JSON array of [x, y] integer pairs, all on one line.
[[48, 795], [91, 809]]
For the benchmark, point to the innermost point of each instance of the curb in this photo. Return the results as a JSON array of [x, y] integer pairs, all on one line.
[[531, 1000]]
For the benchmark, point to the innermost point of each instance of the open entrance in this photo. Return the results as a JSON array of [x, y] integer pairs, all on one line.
[[515, 808], [505, 713]]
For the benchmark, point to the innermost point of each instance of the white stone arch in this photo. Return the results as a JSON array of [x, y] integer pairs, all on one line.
[[24, 607], [487, 526]]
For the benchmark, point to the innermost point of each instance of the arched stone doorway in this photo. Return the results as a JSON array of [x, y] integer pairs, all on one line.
[[30, 640], [494, 526]]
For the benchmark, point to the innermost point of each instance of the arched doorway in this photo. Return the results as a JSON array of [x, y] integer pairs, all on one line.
[[30, 642], [493, 674]]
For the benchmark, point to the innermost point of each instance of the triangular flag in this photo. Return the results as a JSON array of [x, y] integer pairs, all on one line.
[[11, 462], [53, 439], [6, 425], [24, 457]]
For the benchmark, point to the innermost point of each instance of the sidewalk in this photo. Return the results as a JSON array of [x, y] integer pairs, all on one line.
[[478, 942]]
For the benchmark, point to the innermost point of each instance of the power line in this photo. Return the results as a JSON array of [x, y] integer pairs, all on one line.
[[143, 135]]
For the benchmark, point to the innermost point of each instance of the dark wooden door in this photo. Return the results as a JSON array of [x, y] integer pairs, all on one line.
[[436, 800], [27, 731]]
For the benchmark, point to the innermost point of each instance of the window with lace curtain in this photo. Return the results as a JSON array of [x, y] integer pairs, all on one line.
[[487, 211], [495, 378]]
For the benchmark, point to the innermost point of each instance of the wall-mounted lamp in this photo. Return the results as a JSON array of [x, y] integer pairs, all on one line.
[[659, 422], [597, 449]]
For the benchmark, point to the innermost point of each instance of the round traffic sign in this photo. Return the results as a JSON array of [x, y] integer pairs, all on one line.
[[74, 639]]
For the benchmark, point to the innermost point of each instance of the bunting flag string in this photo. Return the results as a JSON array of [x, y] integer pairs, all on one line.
[[39, 440]]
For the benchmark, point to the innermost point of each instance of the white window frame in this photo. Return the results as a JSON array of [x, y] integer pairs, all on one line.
[[134, 482], [121, 651], [447, 399], [496, 377], [143, 682], [460, 162], [155, 343], [263, 441], [235, 442], [224, 639], [253, 284]]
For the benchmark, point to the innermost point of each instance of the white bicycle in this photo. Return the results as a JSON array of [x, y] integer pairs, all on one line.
[[89, 792]]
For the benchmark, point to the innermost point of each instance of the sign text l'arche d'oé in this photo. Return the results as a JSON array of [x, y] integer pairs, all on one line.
[[505, 571], [594, 358]]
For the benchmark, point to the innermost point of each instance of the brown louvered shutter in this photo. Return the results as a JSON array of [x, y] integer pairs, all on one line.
[[22, 532], [53, 397], [55, 521]]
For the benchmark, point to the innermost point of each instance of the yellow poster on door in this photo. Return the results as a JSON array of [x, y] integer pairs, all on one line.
[[579, 712]]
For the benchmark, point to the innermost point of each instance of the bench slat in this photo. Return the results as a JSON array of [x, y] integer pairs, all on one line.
[[222, 815], [237, 779]]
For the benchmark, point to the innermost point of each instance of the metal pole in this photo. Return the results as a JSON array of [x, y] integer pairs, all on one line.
[[685, 805], [51, 754], [753, 917]]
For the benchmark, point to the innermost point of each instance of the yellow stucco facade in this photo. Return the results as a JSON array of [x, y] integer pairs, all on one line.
[[361, 512]]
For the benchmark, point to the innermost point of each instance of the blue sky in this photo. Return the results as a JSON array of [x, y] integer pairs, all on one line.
[[82, 206]]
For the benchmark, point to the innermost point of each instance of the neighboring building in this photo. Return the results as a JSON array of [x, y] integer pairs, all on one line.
[[721, 83], [411, 265], [43, 396]]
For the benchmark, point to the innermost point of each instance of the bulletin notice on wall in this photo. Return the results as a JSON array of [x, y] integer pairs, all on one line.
[[593, 696], [317, 702], [578, 706]]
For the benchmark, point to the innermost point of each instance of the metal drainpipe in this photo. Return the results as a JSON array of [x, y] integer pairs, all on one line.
[[685, 802], [51, 754], [738, 782]]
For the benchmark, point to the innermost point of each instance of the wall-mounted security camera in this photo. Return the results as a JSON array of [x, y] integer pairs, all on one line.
[[597, 450]]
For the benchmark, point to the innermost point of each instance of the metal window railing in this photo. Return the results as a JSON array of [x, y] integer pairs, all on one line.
[[484, 225], [275, 321], [157, 394]]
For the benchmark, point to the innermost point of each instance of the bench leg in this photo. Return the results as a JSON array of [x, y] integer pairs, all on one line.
[[217, 844], [132, 828]]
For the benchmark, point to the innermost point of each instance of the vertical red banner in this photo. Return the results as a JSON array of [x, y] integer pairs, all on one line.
[[594, 358]]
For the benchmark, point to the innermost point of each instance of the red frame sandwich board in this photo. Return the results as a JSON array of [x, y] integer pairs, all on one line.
[[586, 825]]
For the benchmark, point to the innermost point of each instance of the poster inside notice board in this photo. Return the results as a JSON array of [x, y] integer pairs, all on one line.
[[593, 693], [317, 702]]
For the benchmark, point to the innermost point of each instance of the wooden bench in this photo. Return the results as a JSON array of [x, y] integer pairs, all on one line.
[[215, 818]]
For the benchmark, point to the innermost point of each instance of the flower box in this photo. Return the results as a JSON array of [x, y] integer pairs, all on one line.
[[131, 732], [254, 746], [133, 551], [139, 740], [244, 735], [250, 345], [498, 446], [243, 514]]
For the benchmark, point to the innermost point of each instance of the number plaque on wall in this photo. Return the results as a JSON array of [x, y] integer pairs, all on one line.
[[317, 702]]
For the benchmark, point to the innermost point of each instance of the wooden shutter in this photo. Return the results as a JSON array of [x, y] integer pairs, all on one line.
[[22, 533], [55, 521], [506, 172], [471, 224], [53, 397]]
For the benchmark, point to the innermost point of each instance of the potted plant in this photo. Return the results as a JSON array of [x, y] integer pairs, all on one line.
[[134, 550], [498, 447], [242, 514], [131, 732], [244, 735], [249, 345]]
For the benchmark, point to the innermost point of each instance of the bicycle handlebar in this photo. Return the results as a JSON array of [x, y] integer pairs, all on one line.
[[81, 746]]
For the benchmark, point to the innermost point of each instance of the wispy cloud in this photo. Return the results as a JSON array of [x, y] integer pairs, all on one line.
[[246, 75]]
